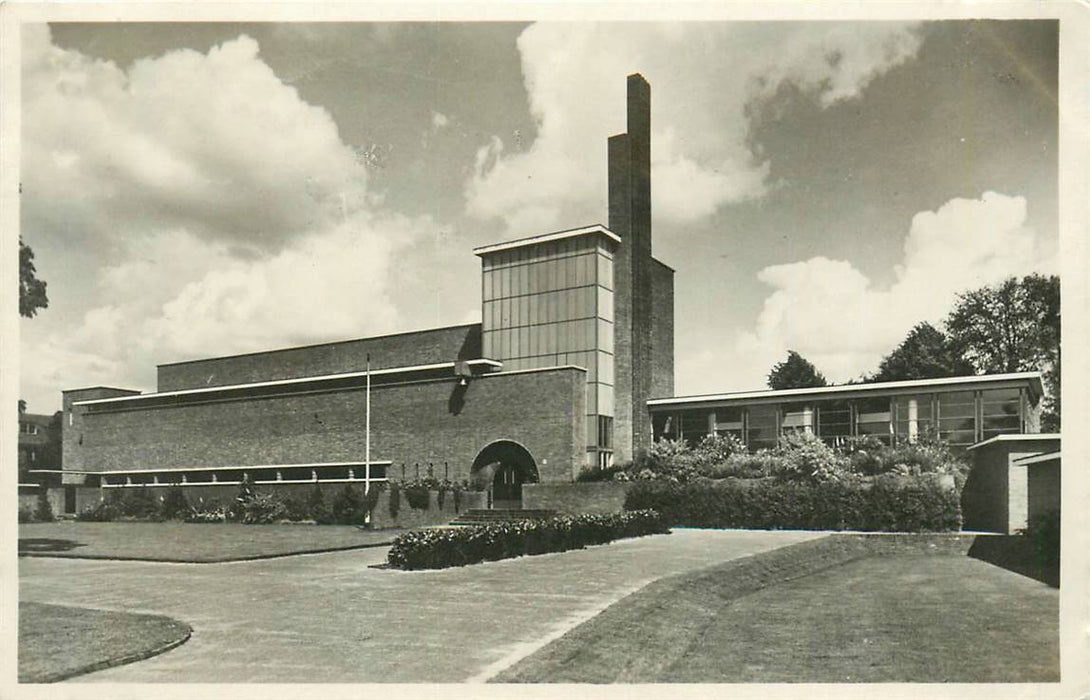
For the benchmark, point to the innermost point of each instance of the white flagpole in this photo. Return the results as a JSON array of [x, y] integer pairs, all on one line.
[[367, 432]]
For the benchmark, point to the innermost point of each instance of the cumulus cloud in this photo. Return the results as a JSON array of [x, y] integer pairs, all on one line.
[[837, 318], [439, 120], [221, 214], [574, 76]]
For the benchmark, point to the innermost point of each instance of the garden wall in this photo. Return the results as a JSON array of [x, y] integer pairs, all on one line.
[[576, 498], [409, 517]]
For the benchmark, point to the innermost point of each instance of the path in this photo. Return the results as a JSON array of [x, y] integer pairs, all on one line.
[[335, 618]]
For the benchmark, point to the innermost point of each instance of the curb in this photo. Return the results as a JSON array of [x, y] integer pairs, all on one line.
[[255, 557], [117, 661]]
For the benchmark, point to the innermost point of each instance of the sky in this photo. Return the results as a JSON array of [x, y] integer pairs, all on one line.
[[193, 190]]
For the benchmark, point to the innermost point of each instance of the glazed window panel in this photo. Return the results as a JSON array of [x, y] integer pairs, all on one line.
[[605, 399], [605, 271], [729, 421], [1000, 403], [957, 404], [605, 303], [762, 429], [605, 367], [797, 417], [913, 417], [663, 426], [834, 421], [873, 417]]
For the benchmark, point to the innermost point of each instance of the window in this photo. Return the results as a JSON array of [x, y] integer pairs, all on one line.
[[762, 427], [912, 417], [872, 418], [797, 418], [729, 421], [834, 422], [957, 417], [605, 432], [664, 426], [1000, 411], [29, 428]]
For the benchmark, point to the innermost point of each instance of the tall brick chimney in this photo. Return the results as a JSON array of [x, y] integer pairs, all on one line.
[[630, 218]]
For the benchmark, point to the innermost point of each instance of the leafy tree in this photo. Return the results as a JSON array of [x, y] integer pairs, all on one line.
[[795, 372], [31, 289], [1013, 327], [925, 353]]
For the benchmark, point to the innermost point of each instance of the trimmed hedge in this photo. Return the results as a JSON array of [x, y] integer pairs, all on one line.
[[442, 548], [887, 504]]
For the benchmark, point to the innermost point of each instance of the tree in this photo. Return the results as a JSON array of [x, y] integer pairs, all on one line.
[[925, 353], [795, 372], [31, 289], [1013, 327]]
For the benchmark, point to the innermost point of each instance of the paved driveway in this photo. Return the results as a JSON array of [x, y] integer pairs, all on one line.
[[336, 618]]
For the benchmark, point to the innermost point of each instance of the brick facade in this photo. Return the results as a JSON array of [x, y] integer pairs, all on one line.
[[576, 498], [431, 421], [996, 493], [399, 350]]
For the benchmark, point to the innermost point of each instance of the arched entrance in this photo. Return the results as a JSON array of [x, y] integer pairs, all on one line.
[[503, 467]]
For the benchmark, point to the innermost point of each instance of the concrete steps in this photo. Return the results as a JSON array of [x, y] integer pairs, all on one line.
[[499, 515]]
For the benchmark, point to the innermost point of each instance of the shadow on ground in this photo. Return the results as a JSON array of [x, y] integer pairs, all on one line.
[[1014, 553], [41, 545]]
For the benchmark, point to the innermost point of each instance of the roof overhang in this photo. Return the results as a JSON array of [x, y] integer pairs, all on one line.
[[1015, 437], [348, 380], [596, 229], [1030, 379]]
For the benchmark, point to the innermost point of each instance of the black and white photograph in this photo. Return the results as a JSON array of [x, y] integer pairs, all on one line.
[[385, 345]]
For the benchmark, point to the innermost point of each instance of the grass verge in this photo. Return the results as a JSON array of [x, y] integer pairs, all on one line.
[[198, 543], [845, 608], [58, 642]]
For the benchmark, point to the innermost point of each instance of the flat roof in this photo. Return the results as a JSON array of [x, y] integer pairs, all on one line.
[[1033, 378], [1038, 459], [546, 238], [1014, 436], [283, 382]]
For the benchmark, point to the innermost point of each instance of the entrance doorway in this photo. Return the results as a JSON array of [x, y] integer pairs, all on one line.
[[503, 467]]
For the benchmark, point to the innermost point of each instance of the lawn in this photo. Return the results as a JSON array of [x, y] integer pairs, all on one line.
[[58, 642], [895, 617], [190, 542]]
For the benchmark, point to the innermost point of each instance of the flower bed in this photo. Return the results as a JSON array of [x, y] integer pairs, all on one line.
[[889, 504], [442, 548]]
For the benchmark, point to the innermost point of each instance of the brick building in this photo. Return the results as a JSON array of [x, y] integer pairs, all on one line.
[[572, 366], [576, 335]]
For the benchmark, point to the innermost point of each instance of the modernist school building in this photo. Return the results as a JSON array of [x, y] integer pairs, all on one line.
[[572, 366]]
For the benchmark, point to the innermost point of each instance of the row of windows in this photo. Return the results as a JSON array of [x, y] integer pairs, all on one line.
[[28, 428], [548, 307], [548, 339], [959, 418], [562, 248], [233, 476], [599, 365], [547, 276]]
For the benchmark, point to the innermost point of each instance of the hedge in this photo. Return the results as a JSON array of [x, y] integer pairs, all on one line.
[[887, 504], [442, 548]]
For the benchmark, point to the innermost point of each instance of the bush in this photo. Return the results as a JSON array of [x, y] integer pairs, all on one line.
[[803, 456], [416, 491], [1044, 532], [890, 504], [43, 511], [395, 500], [351, 507], [26, 514], [138, 503], [316, 508], [208, 514], [174, 504], [441, 548], [107, 510]]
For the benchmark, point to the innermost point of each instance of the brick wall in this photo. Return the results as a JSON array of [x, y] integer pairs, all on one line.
[[1044, 488], [662, 332], [429, 421], [575, 498], [996, 493], [400, 350]]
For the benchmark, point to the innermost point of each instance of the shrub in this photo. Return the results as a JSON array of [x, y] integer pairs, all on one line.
[[1044, 532], [26, 514], [316, 508], [803, 456], [138, 503], [441, 548], [351, 507], [416, 491], [174, 504], [892, 504], [107, 510], [208, 514], [43, 511], [295, 509]]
